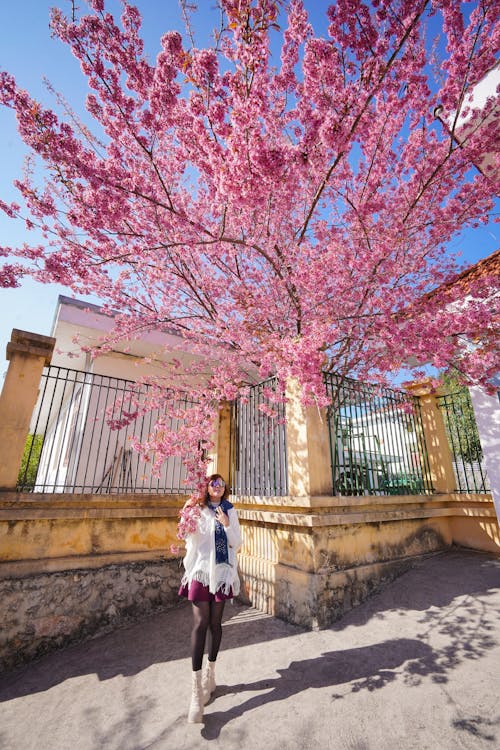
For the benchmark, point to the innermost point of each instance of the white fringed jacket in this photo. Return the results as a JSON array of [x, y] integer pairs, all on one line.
[[199, 561]]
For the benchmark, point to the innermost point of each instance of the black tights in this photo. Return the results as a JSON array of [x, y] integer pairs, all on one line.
[[206, 616]]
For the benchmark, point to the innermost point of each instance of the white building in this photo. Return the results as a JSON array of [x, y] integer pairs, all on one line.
[[81, 452], [472, 117]]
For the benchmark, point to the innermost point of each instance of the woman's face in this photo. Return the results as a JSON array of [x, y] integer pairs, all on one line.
[[216, 489]]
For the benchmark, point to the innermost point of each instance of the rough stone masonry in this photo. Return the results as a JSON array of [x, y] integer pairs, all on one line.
[[43, 612]]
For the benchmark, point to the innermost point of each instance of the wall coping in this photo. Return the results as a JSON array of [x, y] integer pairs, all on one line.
[[330, 511], [11, 498], [343, 511], [29, 506], [28, 568], [31, 344], [316, 502], [306, 521]]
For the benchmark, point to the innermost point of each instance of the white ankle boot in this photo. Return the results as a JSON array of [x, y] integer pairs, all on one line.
[[208, 681], [195, 714]]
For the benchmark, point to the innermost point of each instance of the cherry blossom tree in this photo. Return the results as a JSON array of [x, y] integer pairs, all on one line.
[[284, 213]]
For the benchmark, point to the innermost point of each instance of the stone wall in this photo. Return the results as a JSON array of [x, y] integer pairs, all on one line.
[[40, 613], [309, 560], [73, 566]]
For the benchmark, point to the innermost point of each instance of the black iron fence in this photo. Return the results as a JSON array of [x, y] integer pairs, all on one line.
[[258, 443], [376, 440], [464, 442], [73, 448]]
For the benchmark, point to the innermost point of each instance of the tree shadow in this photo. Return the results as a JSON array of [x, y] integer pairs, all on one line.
[[159, 638], [466, 632], [368, 667], [478, 727], [448, 632], [431, 582]]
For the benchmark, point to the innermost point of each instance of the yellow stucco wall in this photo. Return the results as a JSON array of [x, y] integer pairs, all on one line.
[[40, 538], [476, 532], [49, 527], [310, 560], [307, 557], [307, 560]]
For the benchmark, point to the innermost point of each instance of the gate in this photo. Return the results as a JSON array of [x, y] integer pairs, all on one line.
[[463, 439], [376, 440], [258, 444]]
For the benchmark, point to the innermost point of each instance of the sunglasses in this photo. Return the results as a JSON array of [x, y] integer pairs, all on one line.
[[217, 483]]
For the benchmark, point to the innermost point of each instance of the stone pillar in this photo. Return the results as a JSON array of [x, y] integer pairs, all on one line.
[[28, 353], [223, 444], [441, 471], [308, 446]]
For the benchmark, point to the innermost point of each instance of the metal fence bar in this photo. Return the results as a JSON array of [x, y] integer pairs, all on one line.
[[102, 390], [75, 431], [463, 439], [258, 445], [72, 448], [81, 453], [233, 452], [376, 440]]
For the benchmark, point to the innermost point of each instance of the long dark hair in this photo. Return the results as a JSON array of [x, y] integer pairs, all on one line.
[[226, 488]]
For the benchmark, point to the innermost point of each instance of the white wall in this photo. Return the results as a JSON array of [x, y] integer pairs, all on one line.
[[471, 112], [487, 411]]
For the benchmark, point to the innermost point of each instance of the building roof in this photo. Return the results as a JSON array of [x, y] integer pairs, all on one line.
[[93, 316], [489, 266]]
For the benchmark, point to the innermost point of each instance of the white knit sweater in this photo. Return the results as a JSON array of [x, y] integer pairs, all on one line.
[[199, 561]]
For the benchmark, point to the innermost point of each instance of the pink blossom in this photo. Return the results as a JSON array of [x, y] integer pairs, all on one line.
[[188, 520], [277, 221], [10, 274]]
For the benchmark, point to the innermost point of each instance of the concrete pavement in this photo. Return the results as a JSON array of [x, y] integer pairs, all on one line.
[[417, 666]]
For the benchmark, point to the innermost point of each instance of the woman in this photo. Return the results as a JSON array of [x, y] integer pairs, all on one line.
[[210, 578]]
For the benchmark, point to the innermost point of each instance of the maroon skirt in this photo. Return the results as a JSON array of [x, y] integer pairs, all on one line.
[[197, 592]]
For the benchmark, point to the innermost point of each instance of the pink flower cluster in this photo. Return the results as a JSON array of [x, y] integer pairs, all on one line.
[[188, 520], [277, 221]]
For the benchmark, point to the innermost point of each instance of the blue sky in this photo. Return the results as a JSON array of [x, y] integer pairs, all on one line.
[[28, 52]]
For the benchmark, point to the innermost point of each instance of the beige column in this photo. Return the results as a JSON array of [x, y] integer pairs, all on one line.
[[28, 353], [219, 454], [224, 441], [436, 439], [308, 446]]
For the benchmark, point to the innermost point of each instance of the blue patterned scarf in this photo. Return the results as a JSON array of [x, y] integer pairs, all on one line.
[[221, 549]]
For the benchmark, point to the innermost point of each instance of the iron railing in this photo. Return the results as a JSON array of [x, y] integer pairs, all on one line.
[[73, 448], [464, 442], [376, 440], [258, 444]]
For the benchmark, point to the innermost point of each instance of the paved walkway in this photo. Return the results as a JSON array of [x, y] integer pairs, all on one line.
[[415, 667]]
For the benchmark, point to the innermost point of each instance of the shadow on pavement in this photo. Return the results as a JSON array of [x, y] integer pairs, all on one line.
[[429, 590], [451, 577], [469, 635], [160, 638], [369, 667]]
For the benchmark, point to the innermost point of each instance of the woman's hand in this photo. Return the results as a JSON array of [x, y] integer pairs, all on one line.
[[222, 517]]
